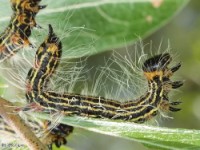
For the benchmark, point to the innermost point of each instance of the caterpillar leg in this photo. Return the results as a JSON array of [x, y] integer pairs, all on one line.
[[175, 103], [167, 106], [42, 6], [168, 72], [175, 68], [57, 135], [169, 85], [176, 84]]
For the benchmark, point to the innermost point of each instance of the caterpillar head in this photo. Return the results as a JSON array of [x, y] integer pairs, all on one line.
[[155, 66], [51, 45], [52, 38], [157, 63]]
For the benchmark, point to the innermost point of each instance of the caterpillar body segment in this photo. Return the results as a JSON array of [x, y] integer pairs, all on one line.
[[27, 6], [15, 36], [47, 59], [10, 45]]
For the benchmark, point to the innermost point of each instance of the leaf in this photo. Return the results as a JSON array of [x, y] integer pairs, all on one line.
[[61, 148], [92, 26], [3, 86], [153, 137]]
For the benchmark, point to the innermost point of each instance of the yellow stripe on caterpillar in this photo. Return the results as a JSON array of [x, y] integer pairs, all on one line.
[[140, 110]]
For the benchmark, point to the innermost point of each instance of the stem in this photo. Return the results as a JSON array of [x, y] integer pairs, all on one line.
[[18, 125]]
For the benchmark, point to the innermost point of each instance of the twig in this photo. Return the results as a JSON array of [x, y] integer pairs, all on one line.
[[20, 128]]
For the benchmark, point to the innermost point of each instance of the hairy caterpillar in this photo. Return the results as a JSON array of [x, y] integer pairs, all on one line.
[[15, 36], [155, 69], [47, 59]]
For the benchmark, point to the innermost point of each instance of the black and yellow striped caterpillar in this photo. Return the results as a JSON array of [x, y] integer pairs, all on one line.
[[15, 36], [155, 69], [144, 108], [47, 59]]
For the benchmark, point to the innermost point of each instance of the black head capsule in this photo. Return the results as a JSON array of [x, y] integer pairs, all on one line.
[[156, 63]]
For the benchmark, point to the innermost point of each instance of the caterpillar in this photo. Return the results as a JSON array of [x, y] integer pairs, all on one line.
[[144, 108], [56, 135], [47, 59], [15, 36]]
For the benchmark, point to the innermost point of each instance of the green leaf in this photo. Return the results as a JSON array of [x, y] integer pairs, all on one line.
[[153, 137], [3, 86], [106, 24], [61, 148]]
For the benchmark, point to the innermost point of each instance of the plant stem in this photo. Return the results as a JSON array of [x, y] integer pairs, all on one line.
[[19, 126]]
